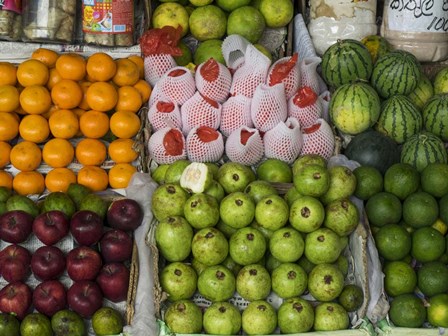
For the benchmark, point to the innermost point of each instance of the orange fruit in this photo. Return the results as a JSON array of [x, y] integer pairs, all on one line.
[[49, 113], [54, 78], [124, 124], [127, 72], [9, 98], [5, 149], [71, 66], [93, 177], [20, 109], [58, 153], [32, 72], [9, 126], [100, 67], [5, 179], [25, 156], [35, 99], [138, 60], [46, 56], [28, 183], [129, 99], [94, 124], [8, 73], [144, 88], [101, 96], [79, 112], [66, 94], [58, 179], [34, 127], [84, 86], [63, 124], [120, 175], [90, 152], [122, 151]]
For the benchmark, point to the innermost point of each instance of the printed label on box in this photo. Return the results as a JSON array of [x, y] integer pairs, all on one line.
[[108, 16]]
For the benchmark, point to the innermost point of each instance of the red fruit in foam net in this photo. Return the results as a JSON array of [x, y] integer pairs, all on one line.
[[235, 113], [245, 146], [305, 106], [164, 113], [269, 106], [213, 80], [204, 144], [167, 145], [200, 111], [287, 71], [318, 139]]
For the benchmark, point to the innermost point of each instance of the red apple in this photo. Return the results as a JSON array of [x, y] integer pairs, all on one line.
[[15, 263], [48, 263], [116, 246], [49, 297], [51, 226], [124, 214], [83, 263], [114, 281], [16, 298], [15, 226], [86, 227], [85, 298]]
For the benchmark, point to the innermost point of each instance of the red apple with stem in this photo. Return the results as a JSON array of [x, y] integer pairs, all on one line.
[[116, 246], [16, 298], [49, 297], [51, 226], [15, 226], [86, 227], [83, 263], [48, 263], [113, 280], [125, 214], [15, 263], [85, 298]]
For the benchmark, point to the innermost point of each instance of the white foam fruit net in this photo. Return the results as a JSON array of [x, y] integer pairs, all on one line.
[[306, 106], [308, 73], [269, 106], [204, 144], [324, 99], [287, 71], [233, 50], [318, 139], [235, 113], [163, 114], [167, 145], [284, 141], [245, 146], [156, 66], [200, 111], [213, 80]]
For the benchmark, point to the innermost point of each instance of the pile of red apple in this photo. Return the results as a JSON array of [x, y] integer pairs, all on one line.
[[97, 265]]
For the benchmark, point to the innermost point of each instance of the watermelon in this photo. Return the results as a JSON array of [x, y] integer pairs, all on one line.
[[354, 107], [423, 148], [422, 92], [346, 61], [435, 116], [377, 46], [396, 72], [399, 118]]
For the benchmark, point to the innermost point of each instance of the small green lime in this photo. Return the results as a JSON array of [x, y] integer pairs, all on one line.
[[399, 278], [369, 182], [393, 242], [67, 322], [36, 324], [438, 310], [262, 48], [5, 193], [77, 192], [9, 325], [401, 179], [95, 203], [434, 179], [408, 311], [420, 209], [230, 5], [107, 321], [246, 21], [209, 49], [432, 278], [274, 170], [428, 244], [383, 208], [158, 175], [351, 297]]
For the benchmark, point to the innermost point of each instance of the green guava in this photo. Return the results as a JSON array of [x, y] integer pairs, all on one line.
[[272, 212], [222, 318], [208, 22], [234, 176], [231, 265], [247, 246], [330, 316], [253, 282], [158, 175], [259, 189], [227, 230], [215, 190], [196, 177], [307, 159], [286, 244], [201, 211], [168, 200], [237, 209], [307, 214], [178, 280], [272, 263], [325, 282], [184, 317], [295, 315], [173, 238], [341, 216], [175, 170], [291, 195], [209, 246], [342, 184], [312, 180], [289, 280], [217, 283], [322, 246], [259, 318], [246, 21]]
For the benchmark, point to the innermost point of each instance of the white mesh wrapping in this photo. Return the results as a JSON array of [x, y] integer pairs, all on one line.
[[251, 74], [284, 141], [306, 106], [204, 144], [308, 73], [163, 141], [318, 139], [213, 80], [324, 98], [234, 49], [156, 66], [287, 71], [200, 111], [163, 114], [269, 106], [245, 146], [235, 113]]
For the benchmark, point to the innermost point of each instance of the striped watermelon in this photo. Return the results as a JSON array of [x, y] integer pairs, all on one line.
[[435, 116], [422, 92], [397, 72], [346, 61], [377, 46], [423, 148], [354, 107], [399, 118]]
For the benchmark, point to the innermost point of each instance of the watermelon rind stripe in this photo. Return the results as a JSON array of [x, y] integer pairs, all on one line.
[[435, 116]]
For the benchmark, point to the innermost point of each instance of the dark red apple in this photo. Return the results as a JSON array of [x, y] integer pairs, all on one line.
[[48, 263], [51, 226], [86, 227], [125, 214], [116, 246], [15, 263], [16, 298], [85, 298], [49, 297], [83, 263], [114, 281], [15, 226]]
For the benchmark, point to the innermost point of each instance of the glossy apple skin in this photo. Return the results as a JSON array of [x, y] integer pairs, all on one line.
[[48, 263], [83, 263], [51, 226], [86, 227], [49, 297], [15, 226], [125, 214], [15, 262], [116, 246], [16, 298], [113, 280], [85, 298]]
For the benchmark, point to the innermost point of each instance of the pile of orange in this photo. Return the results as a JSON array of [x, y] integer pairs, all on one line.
[[58, 109]]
